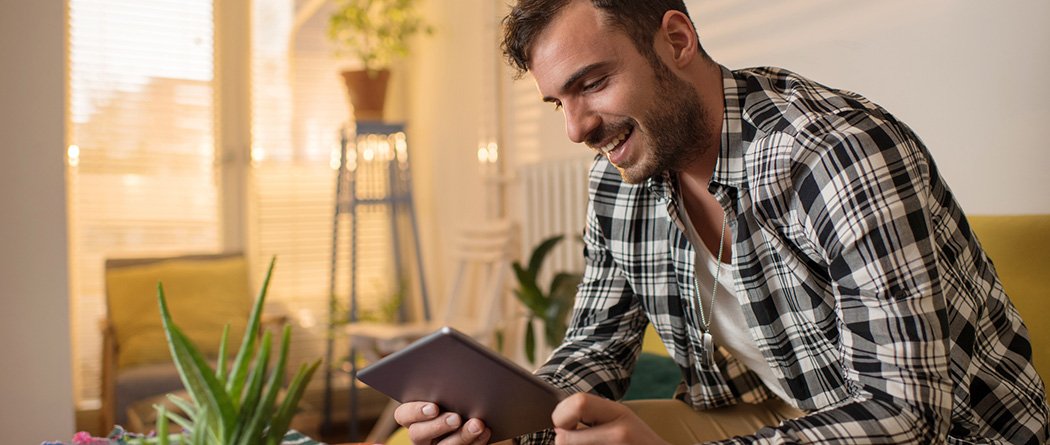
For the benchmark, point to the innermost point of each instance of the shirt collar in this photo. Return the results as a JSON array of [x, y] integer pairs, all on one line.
[[729, 169]]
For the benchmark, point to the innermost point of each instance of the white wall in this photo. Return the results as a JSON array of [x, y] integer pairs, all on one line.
[[35, 365], [966, 75], [450, 95]]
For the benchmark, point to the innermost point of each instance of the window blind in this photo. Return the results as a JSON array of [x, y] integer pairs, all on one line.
[[298, 107], [142, 168]]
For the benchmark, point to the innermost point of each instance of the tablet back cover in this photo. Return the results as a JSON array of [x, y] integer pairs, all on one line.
[[460, 375]]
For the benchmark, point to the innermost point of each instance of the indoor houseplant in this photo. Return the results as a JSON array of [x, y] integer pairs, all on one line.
[[376, 33], [239, 404], [551, 306]]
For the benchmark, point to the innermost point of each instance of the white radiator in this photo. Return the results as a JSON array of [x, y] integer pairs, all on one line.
[[554, 202]]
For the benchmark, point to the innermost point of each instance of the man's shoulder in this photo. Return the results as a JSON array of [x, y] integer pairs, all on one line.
[[780, 100]]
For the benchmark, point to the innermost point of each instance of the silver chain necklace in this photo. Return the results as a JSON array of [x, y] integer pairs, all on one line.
[[707, 357]]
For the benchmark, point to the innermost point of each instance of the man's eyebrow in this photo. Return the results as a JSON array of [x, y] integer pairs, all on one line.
[[575, 77]]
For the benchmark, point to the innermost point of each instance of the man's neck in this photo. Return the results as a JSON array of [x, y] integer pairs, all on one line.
[[706, 77], [704, 210]]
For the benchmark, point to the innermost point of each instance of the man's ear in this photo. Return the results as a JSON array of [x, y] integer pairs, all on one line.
[[677, 30]]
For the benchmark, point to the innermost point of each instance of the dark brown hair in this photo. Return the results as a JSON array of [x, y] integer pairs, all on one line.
[[639, 19]]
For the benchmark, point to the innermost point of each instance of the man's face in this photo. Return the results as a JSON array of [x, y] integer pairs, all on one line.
[[634, 111]]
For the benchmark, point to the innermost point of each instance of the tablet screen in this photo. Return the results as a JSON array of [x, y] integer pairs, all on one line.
[[460, 375]]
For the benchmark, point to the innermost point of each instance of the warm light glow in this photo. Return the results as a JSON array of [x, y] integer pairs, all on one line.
[[351, 159], [73, 153], [333, 158], [493, 151], [401, 146], [306, 318], [131, 181], [258, 155], [384, 149], [368, 145], [488, 153]]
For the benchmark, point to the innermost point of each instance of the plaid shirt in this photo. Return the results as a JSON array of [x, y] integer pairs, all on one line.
[[860, 279]]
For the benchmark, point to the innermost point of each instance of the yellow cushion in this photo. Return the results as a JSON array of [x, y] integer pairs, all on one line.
[[400, 437], [203, 295], [1019, 246], [651, 343]]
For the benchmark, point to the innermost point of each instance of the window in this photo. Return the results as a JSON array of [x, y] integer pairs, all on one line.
[[298, 107], [147, 170], [142, 162]]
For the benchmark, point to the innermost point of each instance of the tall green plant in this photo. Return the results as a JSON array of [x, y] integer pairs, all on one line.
[[552, 306], [239, 408]]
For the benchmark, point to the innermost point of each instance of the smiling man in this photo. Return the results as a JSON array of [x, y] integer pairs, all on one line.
[[793, 245]]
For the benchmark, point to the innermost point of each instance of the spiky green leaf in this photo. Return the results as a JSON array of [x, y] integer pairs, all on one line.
[[199, 379], [283, 418], [220, 367], [184, 405], [253, 428], [235, 384], [253, 389]]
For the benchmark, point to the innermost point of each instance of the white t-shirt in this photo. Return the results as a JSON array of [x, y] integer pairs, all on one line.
[[727, 325]]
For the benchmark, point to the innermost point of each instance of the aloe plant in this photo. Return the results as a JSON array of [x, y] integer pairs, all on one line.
[[553, 306], [238, 408]]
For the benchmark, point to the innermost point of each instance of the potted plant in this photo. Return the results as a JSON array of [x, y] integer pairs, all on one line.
[[375, 32], [551, 307], [241, 405], [245, 403]]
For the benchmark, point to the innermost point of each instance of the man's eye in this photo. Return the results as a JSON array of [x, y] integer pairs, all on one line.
[[594, 85], [557, 106]]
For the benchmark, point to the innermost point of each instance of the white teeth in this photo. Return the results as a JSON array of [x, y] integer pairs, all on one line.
[[608, 147]]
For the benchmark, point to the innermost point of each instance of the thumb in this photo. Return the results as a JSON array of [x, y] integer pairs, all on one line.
[[586, 409]]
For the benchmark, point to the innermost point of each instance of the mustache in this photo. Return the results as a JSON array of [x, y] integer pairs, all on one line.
[[604, 132]]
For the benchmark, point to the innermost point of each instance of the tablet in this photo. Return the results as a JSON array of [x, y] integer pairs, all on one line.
[[460, 375]]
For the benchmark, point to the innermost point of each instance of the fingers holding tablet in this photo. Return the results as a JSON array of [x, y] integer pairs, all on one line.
[[427, 425]]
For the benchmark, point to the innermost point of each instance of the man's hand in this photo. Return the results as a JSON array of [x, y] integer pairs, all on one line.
[[427, 425], [589, 419]]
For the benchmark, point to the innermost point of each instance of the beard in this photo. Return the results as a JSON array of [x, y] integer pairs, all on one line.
[[675, 129]]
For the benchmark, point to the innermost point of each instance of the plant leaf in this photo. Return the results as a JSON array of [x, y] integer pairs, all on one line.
[[198, 378], [184, 405], [253, 389], [530, 342], [220, 367], [564, 286], [162, 424], [541, 251], [199, 432], [529, 292], [280, 421], [240, 364], [184, 422], [253, 429]]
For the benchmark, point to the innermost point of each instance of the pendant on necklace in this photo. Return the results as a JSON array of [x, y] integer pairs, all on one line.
[[707, 355]]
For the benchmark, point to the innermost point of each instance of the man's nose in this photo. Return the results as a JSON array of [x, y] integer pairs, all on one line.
[[579, 122]]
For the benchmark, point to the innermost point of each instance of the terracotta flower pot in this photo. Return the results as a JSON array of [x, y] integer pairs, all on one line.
[[367, 91]]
